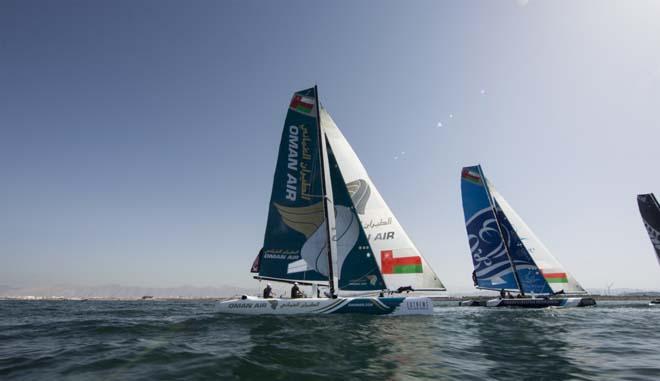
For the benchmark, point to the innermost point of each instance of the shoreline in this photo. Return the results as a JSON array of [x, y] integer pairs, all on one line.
[[642, 297]]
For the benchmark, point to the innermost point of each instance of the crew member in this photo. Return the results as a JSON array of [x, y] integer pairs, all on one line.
[[502, 294], [268, 291], [295, 291]]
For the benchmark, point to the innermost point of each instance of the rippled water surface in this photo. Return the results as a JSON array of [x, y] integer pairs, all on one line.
[[187, 340]]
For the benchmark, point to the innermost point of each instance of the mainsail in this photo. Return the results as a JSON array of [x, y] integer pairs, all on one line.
[[295, 242], [650, 211], [493, 267], [505, 252], [401, 264]]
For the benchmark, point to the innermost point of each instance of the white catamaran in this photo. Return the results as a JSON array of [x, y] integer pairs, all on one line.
[[506, 254], [329, 227], [650, 211]]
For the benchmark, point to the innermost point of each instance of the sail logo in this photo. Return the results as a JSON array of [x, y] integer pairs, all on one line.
[[381, 236], [359, 191], [299, 156], [483, 234], [487, 247], [471, 176], [302, 104], [399, 265], [292, 163], [654, 235], [556, 277]]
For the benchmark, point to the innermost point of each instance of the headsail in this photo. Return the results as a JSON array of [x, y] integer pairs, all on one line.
[[295, 242], [650, 211], [400, 262], [358, 270], [554, 273]]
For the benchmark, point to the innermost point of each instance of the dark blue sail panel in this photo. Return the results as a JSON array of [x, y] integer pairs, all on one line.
[[492, 267], [358, 270], [650, 211], [295, 243], [530, 277]]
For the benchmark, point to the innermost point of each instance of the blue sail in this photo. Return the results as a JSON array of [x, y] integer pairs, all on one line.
[[650, 211], [358, 270], [295, 242], [492, 267], [530, 277]]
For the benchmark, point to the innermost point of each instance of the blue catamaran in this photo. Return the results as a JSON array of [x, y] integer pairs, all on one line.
[[506, 254], [328, 227], [650, 211]]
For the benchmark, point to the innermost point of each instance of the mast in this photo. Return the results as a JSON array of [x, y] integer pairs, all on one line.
[[499, 228], [331, 279]]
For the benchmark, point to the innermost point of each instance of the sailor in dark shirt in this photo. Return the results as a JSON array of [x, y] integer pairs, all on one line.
[[268, 292], [295, 291]]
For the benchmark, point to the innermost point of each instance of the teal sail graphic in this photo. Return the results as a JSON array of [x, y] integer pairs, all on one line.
[[358, 270], [295, 242]]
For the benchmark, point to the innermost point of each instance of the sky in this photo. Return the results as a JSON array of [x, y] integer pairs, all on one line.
[[138, 139]]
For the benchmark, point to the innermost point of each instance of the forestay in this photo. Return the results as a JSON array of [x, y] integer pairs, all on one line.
[[400, 262]]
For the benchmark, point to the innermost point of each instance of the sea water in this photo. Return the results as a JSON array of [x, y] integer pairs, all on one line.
[[117, 340]]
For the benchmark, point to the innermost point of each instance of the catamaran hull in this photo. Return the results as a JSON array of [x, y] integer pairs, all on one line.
[[542, 303], [312, 306], [654, 303], [531, 303]]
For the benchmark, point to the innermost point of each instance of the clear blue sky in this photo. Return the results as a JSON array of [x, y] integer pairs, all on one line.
[[138, 138]]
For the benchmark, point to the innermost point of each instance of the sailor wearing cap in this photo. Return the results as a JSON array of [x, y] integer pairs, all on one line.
[[268, 291], [295, 291]]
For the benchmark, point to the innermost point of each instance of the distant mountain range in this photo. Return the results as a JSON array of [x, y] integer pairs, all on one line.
[[119, 291]]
